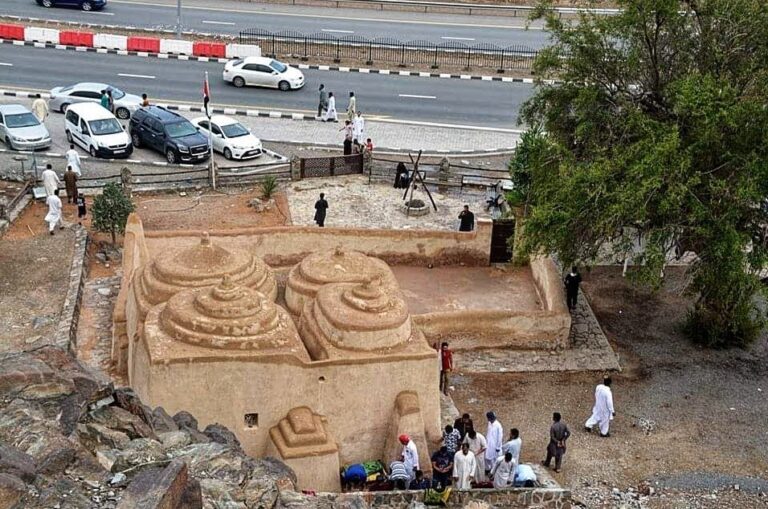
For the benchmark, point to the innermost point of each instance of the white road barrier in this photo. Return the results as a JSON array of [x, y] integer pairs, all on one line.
[[37, 34], [110, 41], [176, 46], [243, 50]]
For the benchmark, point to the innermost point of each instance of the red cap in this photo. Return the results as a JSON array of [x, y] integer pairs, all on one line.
[[404, 439]]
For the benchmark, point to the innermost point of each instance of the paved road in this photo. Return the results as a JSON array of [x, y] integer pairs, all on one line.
[[452, 101], [230, 17]]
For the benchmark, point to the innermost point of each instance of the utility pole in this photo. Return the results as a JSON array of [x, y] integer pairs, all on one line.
[[178, 18]]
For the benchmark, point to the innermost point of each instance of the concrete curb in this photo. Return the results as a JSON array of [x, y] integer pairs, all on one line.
[[66, 330]]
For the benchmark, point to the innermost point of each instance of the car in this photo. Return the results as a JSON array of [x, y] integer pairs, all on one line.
[[62, 97], [96, 130], [230, 137], [21, 130], [168, 133], [86, 5], [262, 72]]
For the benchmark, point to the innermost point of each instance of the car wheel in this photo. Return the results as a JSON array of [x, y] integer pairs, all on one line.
[[284, 86], [47, 3], [170, 156], [238, 82], [227, 154], [63, 107], [123, 113], [136, 140], [87, 6]]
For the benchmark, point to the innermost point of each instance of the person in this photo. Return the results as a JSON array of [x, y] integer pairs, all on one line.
[[104, 100], [73, 160], [398, 474], [110, 101], [603, 412], [53, 218], [464, 468], [50, 180], [358, 127], [451, 439], [558, 434], [347, 137], [410, 455], [477, 444], [525, 477], [144, 100], [322, 103], [321, 206], [420, 482], [467, 219], [401, 175], [351, 107], [40, 109], [514, 445], [503, 471], [464, 424], [446, 365], [442, 466], [81, 209], [494, 436], [572, 282], [70, 184], [330, 110], [369, 145], [354, 477]]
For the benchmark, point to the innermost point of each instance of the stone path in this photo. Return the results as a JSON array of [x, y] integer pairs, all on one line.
[[94, 331]]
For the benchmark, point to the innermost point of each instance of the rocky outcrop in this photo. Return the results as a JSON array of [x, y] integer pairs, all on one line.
[[68, 438]]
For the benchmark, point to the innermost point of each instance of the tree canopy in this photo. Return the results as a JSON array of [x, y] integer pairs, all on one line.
[[111, 209], [656, 126]]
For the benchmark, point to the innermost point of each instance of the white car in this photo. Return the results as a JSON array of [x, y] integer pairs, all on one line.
[[262, 72], [230, 137]]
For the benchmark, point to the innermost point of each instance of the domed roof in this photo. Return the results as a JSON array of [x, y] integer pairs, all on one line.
[[338, 266], [202, 265]]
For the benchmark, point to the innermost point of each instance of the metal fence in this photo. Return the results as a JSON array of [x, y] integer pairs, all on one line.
[[331, 166], [450, 53]]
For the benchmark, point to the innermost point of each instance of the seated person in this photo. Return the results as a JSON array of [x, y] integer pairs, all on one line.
[[399, 475], [525, 477], [442, 468], [420, 483], [353, 478]]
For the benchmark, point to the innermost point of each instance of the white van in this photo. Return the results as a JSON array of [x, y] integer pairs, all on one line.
[[96, 130]]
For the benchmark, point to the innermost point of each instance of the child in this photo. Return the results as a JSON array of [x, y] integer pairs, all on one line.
[[81, 210], [369, 145]]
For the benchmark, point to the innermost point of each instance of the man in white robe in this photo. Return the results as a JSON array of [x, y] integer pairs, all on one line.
[[464, 468], [477, 445], [330, 112], [503, 471], [40, 109], [494, 437], [603, 412], [358, 128], [410, 456], [50, 180], [53, 218], [514, 445], [73, 160]]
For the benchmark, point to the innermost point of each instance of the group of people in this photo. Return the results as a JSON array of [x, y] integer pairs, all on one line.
[[354, 125], [51, 183]]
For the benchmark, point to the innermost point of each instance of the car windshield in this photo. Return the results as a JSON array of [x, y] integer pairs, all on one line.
[[236, 62], [66, 89], [278, 66], [116, 93], [21, 120], [180, 129], [234, 130], [105, 126]]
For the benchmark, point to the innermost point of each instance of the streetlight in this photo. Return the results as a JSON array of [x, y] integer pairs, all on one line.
[[178, 18]]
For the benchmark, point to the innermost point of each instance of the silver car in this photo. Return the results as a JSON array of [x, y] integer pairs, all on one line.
[[125, 104], [21, 130]]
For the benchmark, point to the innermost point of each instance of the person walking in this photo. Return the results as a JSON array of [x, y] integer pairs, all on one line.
[[347, 137], [572, 282], [446, 366], [110, 102], [81, 208], [494, 436], [53, 218], [358, 128], [50, 180], [464, 468], [104, 101], [558, 434], [602, 412], [70, 184], [467, 220], [73, 160], [321, 206], [40, 109], [351, 107], [330, 110], [322, 103]]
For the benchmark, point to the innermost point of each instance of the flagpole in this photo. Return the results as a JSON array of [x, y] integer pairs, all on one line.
[[210, 134]]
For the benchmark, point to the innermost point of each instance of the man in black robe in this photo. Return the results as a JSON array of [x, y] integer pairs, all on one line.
[[572, 281], [321, 206], [467, 220]]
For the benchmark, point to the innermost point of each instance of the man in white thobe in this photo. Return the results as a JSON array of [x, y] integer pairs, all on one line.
[[514, 445], [503, 471], [40, 109], [494, 437], [53, 218], [50, 180], [602, 412], [330, 112], [358, 128], [73, 160], [410, 456], [464, 468], [477, 445]]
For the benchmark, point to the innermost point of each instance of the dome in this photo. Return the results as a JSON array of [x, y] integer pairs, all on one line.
[[338, 266], [202, 265]]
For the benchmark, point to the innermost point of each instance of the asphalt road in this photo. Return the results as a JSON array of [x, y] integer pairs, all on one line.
[[451, 101], [230, 17]]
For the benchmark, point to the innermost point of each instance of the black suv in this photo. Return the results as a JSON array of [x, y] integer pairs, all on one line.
[[169, 133]]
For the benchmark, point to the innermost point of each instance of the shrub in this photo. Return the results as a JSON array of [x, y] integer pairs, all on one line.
[[111, 209], [269, 187]]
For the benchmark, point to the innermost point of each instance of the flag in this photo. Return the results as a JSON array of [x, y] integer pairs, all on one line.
[[206, 95]]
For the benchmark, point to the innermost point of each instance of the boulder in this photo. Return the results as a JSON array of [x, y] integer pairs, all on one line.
[[11, 490], [174, 439], [126, 399], [95, 436], [20, 371], [142, 451], [162, 489], [57, 461], [17, 463], [221, 434], [120, 419], [162, 422], [185, 420]]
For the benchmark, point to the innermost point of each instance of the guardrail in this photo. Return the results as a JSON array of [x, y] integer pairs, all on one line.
[[451, 53]]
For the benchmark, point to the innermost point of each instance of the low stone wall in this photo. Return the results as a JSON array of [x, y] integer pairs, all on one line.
[[549, 284], [66, 330]]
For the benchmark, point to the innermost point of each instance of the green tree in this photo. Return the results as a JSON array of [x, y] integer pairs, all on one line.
[[657, 126], [111, 209]]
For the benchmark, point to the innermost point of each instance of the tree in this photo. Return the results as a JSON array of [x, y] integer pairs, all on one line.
[[111, 209], [658, 128]]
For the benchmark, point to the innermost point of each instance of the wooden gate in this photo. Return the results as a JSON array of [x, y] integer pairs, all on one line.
[[501, 235], [331, 166]]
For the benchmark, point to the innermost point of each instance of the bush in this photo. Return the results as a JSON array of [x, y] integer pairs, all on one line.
[[111, 209], [269, 187]]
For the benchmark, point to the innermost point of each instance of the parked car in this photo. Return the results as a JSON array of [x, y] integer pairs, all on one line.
[[230, 137], [21, 130], [168, 133], [62, 97], [97, 131], [262, 72], [86, 5]]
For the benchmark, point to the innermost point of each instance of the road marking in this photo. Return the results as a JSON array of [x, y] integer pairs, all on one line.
[[337, 31], [144, 76], [206, 22], [451, 126], [102, 13], [458, 38], [5, 64], [418, 96]]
